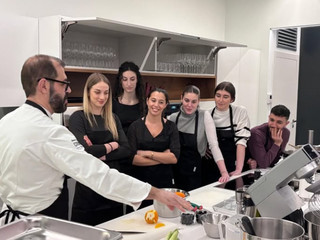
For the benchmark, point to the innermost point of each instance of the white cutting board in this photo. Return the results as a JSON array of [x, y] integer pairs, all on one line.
[[135, 222], [210, 197]]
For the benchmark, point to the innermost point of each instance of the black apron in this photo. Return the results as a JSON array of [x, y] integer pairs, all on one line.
[[89, 207], [227, 144], [187, 172], [58, 209], [210, 170], [160, 175]]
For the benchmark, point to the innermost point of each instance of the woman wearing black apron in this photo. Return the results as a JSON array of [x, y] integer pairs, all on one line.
[[155, 142], [99, 131], [233, 130], [196, 129]]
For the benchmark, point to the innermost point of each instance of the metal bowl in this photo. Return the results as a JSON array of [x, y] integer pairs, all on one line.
[[163, 210], [210, 223]]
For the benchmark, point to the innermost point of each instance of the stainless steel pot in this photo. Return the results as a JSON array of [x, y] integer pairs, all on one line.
[[163, 209], [313, 225], [274, 229]]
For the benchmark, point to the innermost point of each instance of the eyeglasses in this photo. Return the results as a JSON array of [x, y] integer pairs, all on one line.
[[54, 80]]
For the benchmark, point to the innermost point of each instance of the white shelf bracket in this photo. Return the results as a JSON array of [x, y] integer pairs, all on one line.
[[154, 40]]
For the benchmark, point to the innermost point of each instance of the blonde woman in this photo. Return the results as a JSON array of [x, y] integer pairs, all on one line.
[[101, 134]]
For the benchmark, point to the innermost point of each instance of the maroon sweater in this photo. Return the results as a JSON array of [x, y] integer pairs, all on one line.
[[262, 147]]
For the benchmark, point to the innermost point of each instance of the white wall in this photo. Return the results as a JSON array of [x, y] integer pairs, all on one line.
[[19, 40], [241, 67], [242, 21], [249, 22], [204, 18]]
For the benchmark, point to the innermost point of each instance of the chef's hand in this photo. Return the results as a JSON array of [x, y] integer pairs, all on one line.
[[224, 177], [276, 135], [170, 199], [252, 163]]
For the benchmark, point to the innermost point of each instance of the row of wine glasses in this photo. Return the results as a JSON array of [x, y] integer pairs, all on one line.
[[183, 63], [84, 54]]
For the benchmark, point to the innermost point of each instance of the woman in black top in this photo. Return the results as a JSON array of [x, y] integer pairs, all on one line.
[[101, 134], [129, 99], [155, 142]]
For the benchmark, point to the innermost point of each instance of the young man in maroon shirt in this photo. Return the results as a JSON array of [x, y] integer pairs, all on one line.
[[268, 141]]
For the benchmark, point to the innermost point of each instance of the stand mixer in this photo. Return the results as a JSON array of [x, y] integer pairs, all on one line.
[[271, 193]]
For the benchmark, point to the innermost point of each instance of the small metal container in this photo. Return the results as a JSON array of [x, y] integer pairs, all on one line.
[[210, 223], [240, 192], [313, 225], [163, 210]]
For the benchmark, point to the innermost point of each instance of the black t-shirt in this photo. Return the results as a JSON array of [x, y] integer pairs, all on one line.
[[126, 113]]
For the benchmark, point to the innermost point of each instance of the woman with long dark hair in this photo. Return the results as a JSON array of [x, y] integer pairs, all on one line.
[[129, 101]]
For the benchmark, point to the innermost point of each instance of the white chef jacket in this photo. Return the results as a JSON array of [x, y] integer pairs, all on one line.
[[36, 153]]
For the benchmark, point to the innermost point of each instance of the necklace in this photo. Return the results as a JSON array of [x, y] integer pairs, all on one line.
[[127, 101]]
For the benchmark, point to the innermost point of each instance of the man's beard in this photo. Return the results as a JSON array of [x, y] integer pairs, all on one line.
[[57, 103]]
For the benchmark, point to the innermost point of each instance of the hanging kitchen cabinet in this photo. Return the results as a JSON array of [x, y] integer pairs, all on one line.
[[167, 60]]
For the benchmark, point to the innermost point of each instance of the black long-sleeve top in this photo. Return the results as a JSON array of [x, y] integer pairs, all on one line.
[[79, 126]]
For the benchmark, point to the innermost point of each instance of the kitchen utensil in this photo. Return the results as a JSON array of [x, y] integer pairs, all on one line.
[[196, 206], [274, 228], [314, 204], [43, 227], [249, 209], [271, 193], [229, 228], [199, 213], [240, 193], [313, 225], [314, 201], [187, 218], [163, 210], [244, 202], [125, 231], [246, 223], [210, 223], [210, 197], [135, 222]]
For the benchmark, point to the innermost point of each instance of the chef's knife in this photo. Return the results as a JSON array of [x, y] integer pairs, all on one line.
[[125, 231]]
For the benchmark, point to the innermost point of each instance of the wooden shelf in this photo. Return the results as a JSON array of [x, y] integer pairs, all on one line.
[[174, 83]]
